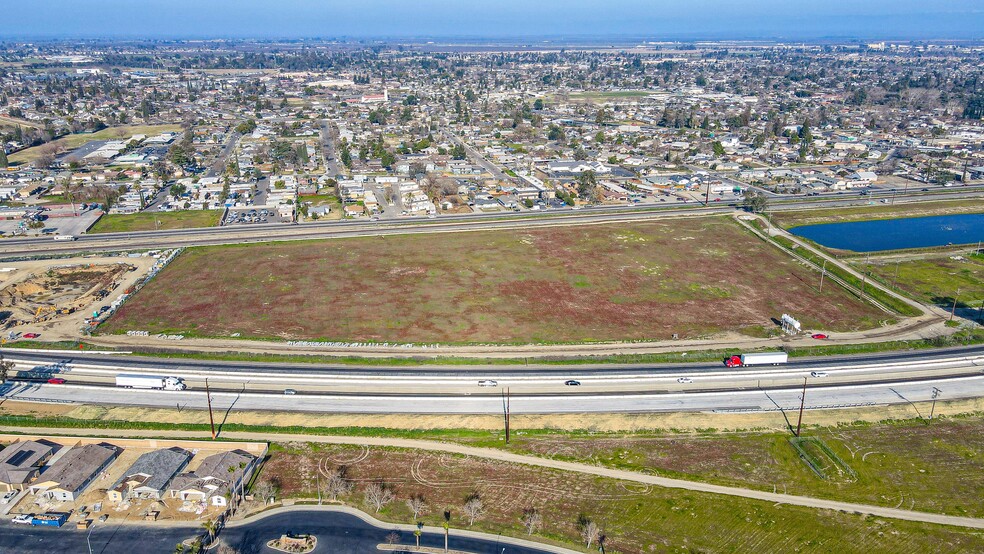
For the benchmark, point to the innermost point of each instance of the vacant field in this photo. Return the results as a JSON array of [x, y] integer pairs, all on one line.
[[148, 221], [691, 277], [932, 468], [634, 518], [74, 141], [789, 219], [936, 279]]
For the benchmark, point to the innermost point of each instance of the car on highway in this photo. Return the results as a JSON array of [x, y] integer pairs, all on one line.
[[488, 383], [685, 380], [818, 374], [572, 383], [818, 336], [31, 335], [24, 519], [290, 391], [56, 381]]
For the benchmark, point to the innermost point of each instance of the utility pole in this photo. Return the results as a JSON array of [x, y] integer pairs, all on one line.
[[980, 312], [936, 392], [208, 398], [505, 411], [896, 278], [799, 421], [953, 309], [823, 272]]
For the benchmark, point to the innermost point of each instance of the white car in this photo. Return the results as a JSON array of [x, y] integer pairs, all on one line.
[[818, 374], [488, 383], [7, 497], [23, 519], [685, 380]]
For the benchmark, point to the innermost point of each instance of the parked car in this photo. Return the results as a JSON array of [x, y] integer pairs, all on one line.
[[56, 381], [818, 336], [488, 383], [23, 519], [31, 335], [818, 374], [103, 517], [7, 497], [685, 380], [572, 383]]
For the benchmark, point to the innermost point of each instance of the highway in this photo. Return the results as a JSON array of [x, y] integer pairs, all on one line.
[[858, 381], [112, 242]]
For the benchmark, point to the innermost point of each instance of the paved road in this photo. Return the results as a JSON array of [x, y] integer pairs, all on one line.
[[227, 149], [489, 401], [104, 539], [344, 533], [32, 246]]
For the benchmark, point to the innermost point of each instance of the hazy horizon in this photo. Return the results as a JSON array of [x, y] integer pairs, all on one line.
[[506, 19]]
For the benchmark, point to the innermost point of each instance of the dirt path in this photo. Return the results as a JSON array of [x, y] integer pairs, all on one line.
[[491, 454]]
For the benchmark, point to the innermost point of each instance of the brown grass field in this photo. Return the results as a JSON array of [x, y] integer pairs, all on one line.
[[693, 277]]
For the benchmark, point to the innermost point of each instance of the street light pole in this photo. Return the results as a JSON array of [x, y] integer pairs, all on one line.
[[936, 392]]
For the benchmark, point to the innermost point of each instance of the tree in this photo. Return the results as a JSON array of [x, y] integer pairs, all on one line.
[[580, 154], [538, 104], [590, 532], [346, 157], [3, 157], [378, 495], [755, 201], [46, 158], [178, 189], [473, 508], [392, 538], [458, 152], [531, 520], [416, 505], [5, 368], [586, 183], [336, 483], [718, 149]]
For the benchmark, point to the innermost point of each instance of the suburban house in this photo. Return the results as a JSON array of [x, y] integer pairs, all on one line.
[[215, 479], [149, 475], [21, 462], [74, 471]]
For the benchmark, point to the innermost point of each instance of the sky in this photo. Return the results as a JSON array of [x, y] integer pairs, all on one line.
[[651, 19]]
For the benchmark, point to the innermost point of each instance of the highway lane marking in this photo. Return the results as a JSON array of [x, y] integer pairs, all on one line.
[[327, 378]]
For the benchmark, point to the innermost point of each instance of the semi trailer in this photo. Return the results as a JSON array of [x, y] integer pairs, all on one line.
[[150, 382], [759, 358]]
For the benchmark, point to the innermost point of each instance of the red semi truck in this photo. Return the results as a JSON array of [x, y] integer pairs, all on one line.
[[760, 358]]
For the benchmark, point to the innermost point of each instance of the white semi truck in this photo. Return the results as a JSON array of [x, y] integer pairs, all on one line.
[[150, 382]]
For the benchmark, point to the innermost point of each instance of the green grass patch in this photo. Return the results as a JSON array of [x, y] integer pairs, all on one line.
[[149, 221]]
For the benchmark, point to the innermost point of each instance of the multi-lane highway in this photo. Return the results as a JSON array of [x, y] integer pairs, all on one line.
[[33, 246], [849, 381]]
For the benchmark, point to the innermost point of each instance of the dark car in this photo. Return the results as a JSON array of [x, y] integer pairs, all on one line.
[[572, 383]]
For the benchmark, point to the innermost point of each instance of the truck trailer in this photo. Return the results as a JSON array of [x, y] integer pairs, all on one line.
[[149, 382], [760, 358]]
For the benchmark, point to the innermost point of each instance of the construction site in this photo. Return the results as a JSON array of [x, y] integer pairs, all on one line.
[[65, 295]]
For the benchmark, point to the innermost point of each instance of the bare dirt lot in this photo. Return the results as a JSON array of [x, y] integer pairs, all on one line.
[[690, 277], [40, 296]]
